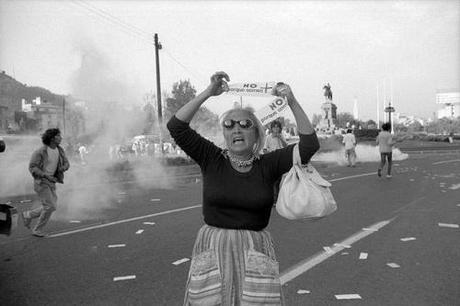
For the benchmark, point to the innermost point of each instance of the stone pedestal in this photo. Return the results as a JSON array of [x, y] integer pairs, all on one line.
[[329, 117]]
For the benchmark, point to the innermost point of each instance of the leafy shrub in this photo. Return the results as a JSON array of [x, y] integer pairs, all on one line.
[[366, 134]]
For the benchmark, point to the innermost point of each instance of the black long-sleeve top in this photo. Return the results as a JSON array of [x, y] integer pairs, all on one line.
[[232, 199]]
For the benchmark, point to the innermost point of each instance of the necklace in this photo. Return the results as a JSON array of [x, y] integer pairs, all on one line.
[[238, 162]]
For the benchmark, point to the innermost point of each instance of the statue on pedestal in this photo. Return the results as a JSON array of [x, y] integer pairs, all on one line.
[[327, 92], [329, 111]]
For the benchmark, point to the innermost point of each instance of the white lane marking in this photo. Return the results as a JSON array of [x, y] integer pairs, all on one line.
[[178, 262], [149, 223], [302, 291], [168, 212], [116, 245], [127, 277], [139, 231], [370, 229], [123, 221], [448, 225], [343, 245], [408, 239], [74, 221], [446, 161], [353, 176], [353, 296], [309, 263]]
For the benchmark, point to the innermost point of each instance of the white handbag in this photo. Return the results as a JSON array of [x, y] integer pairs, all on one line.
[[304, 194]]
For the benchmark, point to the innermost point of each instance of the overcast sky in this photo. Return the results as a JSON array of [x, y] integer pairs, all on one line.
[[103, 48]]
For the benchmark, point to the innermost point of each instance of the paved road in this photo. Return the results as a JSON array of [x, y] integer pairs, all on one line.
[[76, 266]]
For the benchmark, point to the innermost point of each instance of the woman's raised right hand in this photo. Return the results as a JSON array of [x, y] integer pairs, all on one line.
[[218, 83]]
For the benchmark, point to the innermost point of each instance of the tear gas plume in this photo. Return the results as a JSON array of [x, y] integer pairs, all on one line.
[[113, 116], [364, 153], [15, 178]]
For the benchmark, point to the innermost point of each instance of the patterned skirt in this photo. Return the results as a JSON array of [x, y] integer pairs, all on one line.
[[232, 268]]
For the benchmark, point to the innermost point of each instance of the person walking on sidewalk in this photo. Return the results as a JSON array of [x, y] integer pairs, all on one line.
[[385, 142], [47, 166], [349, 141]]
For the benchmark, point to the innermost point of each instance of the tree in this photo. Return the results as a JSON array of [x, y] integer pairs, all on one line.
[[204, 122], [370, 124], [182, 92], [344, 118], [316, 119]]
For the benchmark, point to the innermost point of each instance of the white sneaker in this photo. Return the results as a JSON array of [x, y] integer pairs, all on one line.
[[389, 176], [39, 234]]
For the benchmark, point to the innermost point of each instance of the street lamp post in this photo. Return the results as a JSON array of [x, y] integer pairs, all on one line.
[[390, 109]]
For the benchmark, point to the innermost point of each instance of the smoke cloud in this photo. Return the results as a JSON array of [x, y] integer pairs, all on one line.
[[364, 153], [113, 115]]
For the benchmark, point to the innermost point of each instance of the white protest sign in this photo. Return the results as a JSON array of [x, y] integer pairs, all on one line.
[[272, 110], [251, 89]]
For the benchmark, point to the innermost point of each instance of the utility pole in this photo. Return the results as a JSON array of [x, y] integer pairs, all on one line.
[[157, 62], [159, 109], [63, 113]]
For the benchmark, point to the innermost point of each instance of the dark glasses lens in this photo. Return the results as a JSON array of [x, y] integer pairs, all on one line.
[[244, 124]]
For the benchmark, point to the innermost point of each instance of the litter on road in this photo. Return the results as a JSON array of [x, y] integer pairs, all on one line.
[[155, 200], [74, 221], [127, 277], [149, 223], [344, 253], [454, 187], [363, 255], [302, 291], [448, 225], [25, 201], [139, 231], [353, 296], [116, 245], [180, 261], [408, 239], [393, 265]]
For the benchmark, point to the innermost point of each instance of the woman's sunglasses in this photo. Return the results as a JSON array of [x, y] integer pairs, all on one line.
[[244, 124]]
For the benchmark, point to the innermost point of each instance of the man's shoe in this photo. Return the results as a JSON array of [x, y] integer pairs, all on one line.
[[39, 234], [26, 220], [379, 172], [389, 176]]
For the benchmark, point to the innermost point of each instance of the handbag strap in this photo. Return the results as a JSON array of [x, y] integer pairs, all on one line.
[[296, 160]]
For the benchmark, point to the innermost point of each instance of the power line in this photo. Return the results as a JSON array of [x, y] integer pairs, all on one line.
[[182, 65], [129, 29], [114, 21]]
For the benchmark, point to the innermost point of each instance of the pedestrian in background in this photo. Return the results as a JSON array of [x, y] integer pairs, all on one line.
[[233, 261], [47, 166], [349, 141], [275, 140], [385, 143]]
